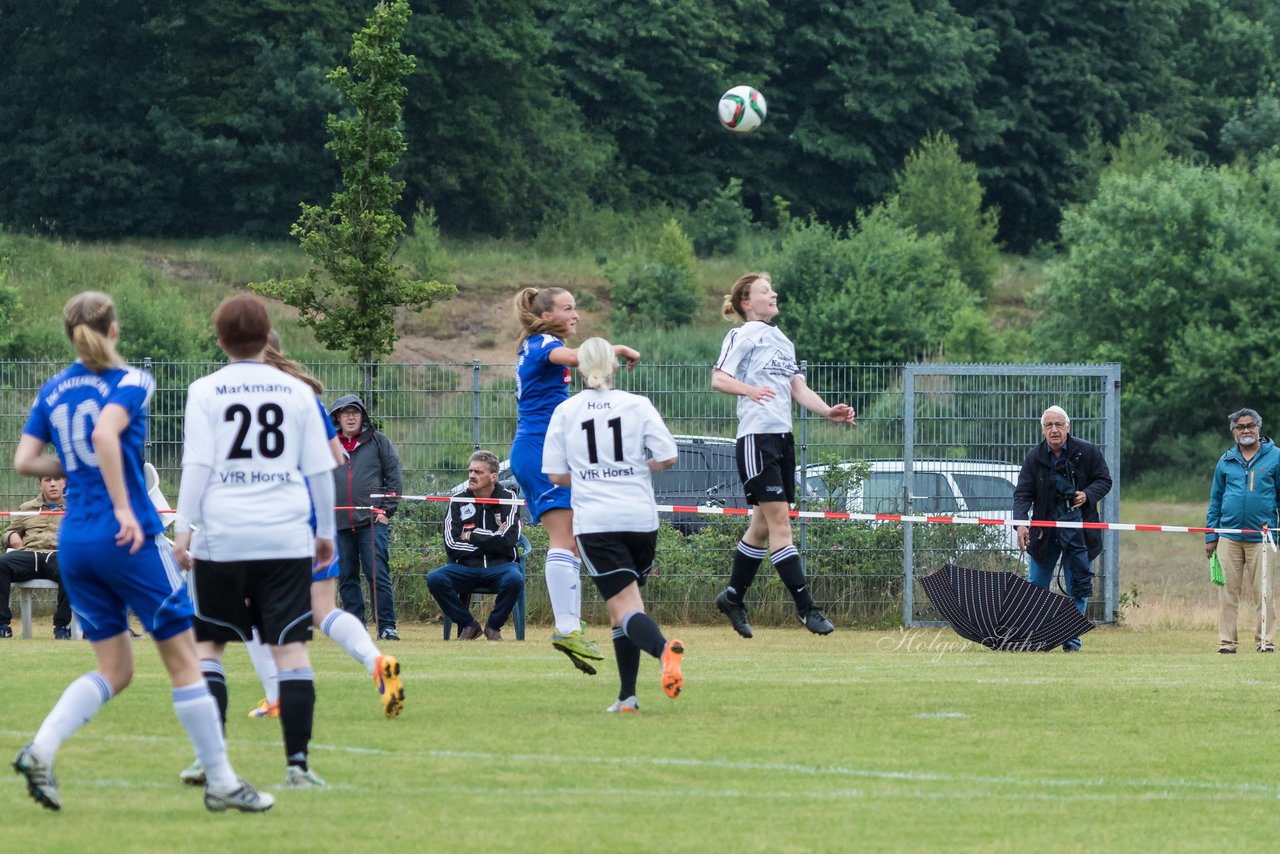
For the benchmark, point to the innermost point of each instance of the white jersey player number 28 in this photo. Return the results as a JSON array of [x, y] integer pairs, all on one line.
[[270, 417]]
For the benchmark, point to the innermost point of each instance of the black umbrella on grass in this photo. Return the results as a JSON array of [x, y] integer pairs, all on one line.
[[1003, 611]]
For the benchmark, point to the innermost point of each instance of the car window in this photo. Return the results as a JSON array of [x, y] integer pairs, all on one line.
[[985, 493], [815, 486], [882, 493]]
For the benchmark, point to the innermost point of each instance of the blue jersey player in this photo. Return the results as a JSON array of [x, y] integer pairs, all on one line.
[[112, 555], [543, 375]]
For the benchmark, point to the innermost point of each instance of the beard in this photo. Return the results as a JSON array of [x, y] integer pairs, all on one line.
[[1248, 441]]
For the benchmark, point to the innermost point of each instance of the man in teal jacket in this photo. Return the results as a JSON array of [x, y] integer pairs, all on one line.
[[1245, 494]]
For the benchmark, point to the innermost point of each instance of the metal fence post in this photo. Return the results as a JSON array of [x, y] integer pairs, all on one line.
[[475, 404], [146, 442], [804, 465]]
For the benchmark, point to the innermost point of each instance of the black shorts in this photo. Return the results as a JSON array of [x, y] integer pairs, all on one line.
[[616, 559], [231, 598], [767, 466]]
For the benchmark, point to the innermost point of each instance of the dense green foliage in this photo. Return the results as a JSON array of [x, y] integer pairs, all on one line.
[[350, 297], [207, 117], [938, 193], [658, 288], [877, 292], [1170, 270]]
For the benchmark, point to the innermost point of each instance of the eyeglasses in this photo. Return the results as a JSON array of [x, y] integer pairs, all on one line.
[[1245, 427]]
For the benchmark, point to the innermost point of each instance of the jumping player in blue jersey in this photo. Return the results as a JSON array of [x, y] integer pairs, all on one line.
[[112, 554], [544, 371]]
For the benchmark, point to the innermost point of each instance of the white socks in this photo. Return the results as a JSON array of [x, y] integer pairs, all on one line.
[[564, 586], [349, 633], [264, 665], [198, 713], [78, 704]]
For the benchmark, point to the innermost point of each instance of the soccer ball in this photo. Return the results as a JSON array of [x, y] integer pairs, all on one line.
[[742, 109]]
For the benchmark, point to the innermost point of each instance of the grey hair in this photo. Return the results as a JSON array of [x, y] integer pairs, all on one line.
[[596, 363], [1236, 416], [489, 458], [1056, 410]]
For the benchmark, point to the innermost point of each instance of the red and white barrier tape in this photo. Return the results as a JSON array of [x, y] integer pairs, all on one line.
[[800, 514], [870, 517]]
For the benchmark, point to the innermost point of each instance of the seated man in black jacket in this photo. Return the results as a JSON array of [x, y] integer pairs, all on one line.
[[481, 541]]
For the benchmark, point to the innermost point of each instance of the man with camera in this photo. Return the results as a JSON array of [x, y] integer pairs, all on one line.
[[1063, 478]]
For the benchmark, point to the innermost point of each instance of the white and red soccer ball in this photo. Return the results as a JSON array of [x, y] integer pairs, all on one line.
[[742, 109]]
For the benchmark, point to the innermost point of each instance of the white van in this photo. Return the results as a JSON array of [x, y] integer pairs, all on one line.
[[939, 488]]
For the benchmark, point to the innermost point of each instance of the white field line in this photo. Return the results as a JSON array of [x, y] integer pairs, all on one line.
[[975, 785]]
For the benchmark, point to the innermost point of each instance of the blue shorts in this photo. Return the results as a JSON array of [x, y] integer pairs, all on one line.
[[540, 493], [330, 571], [104, 582]]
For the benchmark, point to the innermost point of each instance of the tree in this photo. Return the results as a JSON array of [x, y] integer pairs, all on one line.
[[874, 293], [659, 289], [1171, 271], [860, 85], [1065, 72], [647, 75], [938, 193], [350, 295]]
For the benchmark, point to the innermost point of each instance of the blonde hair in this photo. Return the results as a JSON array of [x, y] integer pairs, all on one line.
[[275, 357], [88, 317], [530, 303], [596, 363], [740, 291]]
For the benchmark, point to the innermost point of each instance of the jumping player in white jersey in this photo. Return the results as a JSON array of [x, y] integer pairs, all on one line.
[[543, 374], [112, 554], [605, 444], [256, 459], [758, 364]]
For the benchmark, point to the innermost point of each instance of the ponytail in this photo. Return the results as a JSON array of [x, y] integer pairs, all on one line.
[[741, 290], [275, 357], [88, 318], [596, 363], [529, 304]]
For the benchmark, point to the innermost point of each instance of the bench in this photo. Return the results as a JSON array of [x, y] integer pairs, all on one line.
[[24, 599]]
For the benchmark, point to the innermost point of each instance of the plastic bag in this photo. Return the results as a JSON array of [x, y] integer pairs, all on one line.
[[1215, 571]]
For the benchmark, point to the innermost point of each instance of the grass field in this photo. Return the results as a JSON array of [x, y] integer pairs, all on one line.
[[866, 741]]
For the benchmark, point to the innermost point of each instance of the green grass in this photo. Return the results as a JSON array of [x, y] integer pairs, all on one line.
[[868, 741]]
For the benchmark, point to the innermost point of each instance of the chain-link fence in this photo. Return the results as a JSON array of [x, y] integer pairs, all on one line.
[[437, 414]]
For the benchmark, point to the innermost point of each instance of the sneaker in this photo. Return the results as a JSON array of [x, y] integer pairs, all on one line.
[[672, 678], [297, 777], [580, 663], [193, 774], [5, 631], [386, 676], [737, 614], [244, 798], [470, 632], [41, 784], [61, 633], [1226, 650], [578, 648], [815, 622], [492, 634], [265, 710], [631, 704], [388, 634]]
